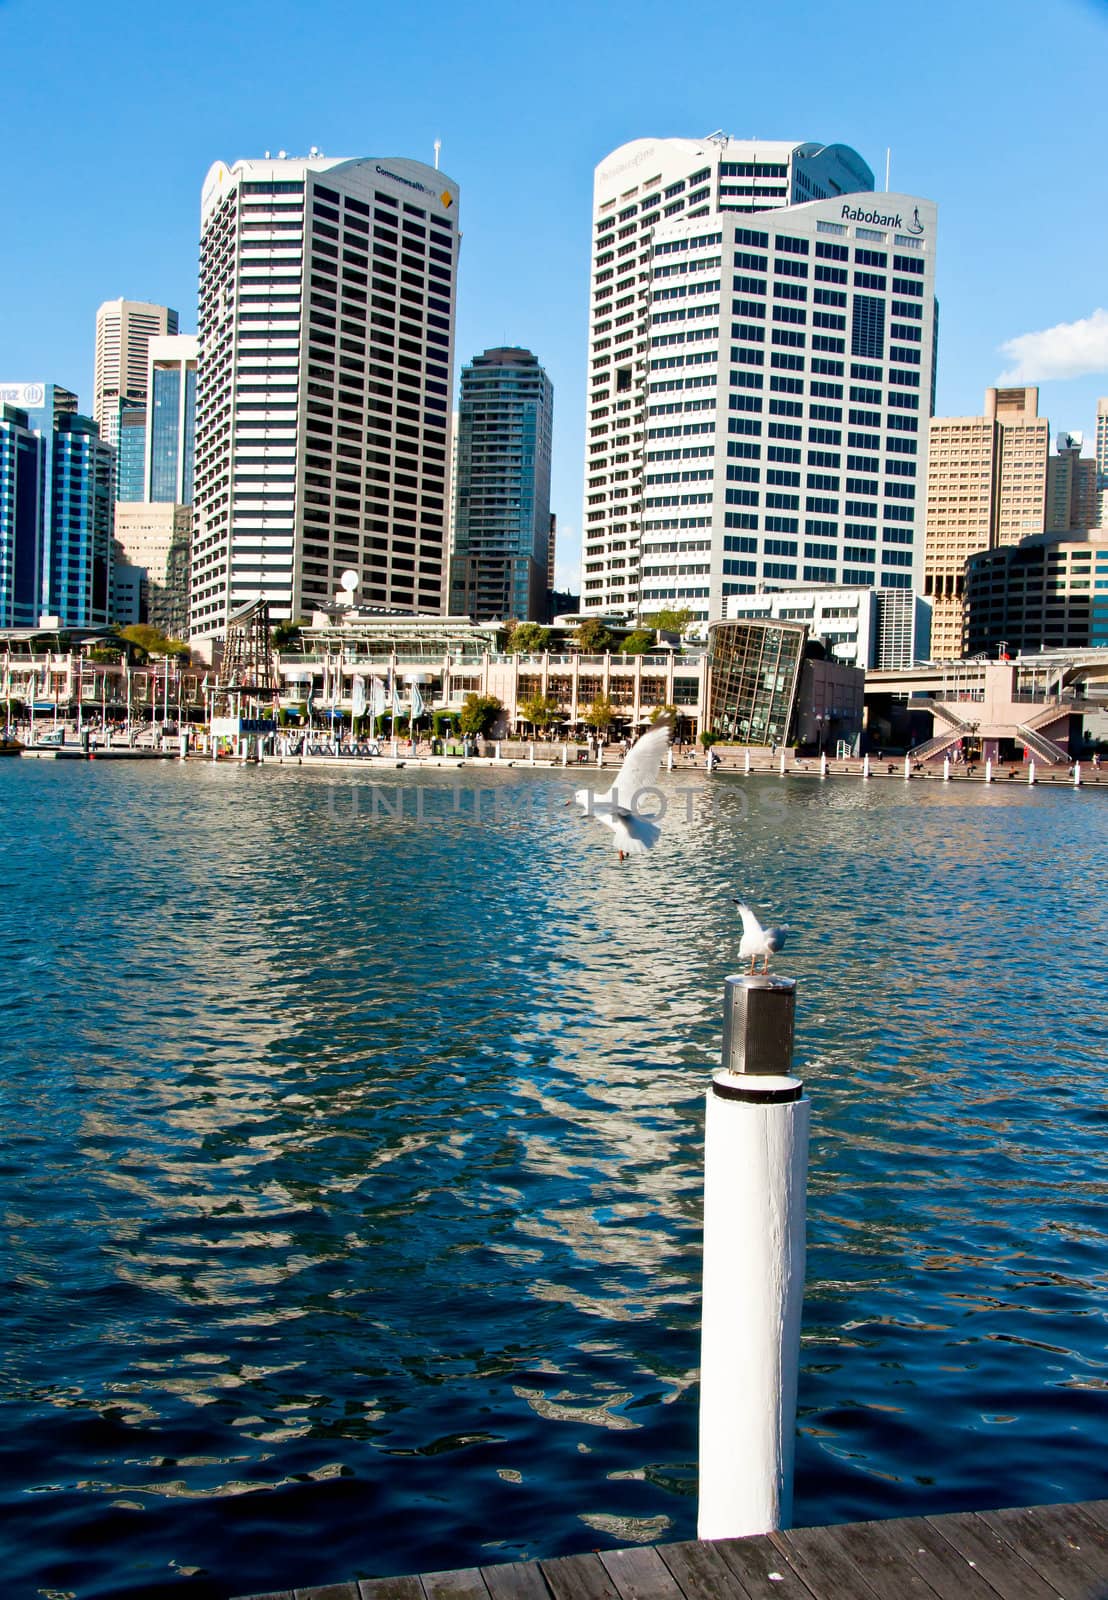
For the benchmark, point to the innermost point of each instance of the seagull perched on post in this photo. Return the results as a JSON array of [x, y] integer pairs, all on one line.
[[758, 941], [632, 835]]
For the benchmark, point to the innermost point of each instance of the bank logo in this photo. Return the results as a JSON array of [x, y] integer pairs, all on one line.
[[447, 198], [915, 226]]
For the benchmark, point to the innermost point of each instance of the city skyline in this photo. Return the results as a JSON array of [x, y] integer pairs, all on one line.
[[1008, 273]]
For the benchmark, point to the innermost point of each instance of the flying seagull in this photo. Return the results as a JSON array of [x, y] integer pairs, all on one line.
[[632, 835], [758, 941]]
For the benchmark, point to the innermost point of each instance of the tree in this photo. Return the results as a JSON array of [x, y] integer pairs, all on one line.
[[639, 642], [592, 638], [600, 715], [479, 712], [669, 621], [540, 711], [151, 641], [286, 635], [528, 638]]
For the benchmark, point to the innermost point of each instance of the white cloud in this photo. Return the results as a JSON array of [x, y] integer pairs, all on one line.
[[1066, 351]]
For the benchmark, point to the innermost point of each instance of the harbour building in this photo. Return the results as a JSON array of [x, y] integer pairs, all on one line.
[[1048, 592], [326, 328], [124, 329], [986, 486], [641, 189], [502, 522]]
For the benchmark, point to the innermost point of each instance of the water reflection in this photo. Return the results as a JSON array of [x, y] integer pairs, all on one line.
[[351, 1159]]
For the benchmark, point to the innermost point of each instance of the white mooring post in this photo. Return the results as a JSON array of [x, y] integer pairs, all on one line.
[[782, 762], [183, 748], [669, 758], [600, 755], [1031, 772], [755, 1182], [946, 769], [989, 770], [865, 765], [565, 755], [496, 747], [1077, 774], [746, 759], [823, 764], [907, 767], [531, 755]]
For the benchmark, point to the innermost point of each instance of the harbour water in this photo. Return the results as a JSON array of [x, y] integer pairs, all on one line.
[[349, 1162]]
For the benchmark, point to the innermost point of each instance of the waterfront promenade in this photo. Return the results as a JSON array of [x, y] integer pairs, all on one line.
[[1055, 1552]]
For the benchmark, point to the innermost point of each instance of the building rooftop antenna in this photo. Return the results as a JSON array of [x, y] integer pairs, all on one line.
[[438, 147]]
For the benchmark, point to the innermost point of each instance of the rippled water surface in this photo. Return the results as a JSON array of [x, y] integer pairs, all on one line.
[[349, 1162]]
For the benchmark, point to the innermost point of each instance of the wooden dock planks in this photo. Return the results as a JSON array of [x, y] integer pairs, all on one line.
[[1025, 1553]]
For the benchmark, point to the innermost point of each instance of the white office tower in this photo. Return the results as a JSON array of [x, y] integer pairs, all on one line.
[[747, 421], [327, 294], [124, 329]]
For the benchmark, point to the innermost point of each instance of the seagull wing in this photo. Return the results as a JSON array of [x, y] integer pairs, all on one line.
[[640, 765], [752, 928]]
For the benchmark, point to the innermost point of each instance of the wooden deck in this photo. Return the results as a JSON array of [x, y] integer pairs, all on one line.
[[1037, 1553]]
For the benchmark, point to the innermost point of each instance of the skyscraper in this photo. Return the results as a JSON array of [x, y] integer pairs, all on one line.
[[986, 486], [1071, 495], [171, 420], [20, 519], [325, 366], [502, 525], [123, 426], [650, 192], [1102, 462], [69, 573], [124, 329]]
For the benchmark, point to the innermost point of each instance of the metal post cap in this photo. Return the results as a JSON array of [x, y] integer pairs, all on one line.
[[758, 1014]]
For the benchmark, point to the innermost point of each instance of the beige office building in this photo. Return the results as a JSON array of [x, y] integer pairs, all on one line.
[[124, 329], [986, 486], [157, 536]]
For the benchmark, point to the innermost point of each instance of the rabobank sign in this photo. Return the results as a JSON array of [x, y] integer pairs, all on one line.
[[883, 219]]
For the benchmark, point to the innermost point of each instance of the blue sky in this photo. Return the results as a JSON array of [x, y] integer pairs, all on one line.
[[996, 111]]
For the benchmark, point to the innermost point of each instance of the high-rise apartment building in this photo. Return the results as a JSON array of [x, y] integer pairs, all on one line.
[[1102, 463], [171, 420], [1071, 495], [327, 293], [57, 560], [986, 486], [655, 191], [498, 565], [124, 329]]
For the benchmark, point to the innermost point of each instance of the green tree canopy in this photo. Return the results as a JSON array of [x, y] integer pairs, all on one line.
[[286, 634], [600, 715], [479, 712], [639, 642], [540, 711], [592, 638], [528, 638], [669, 621], [152, 641]]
